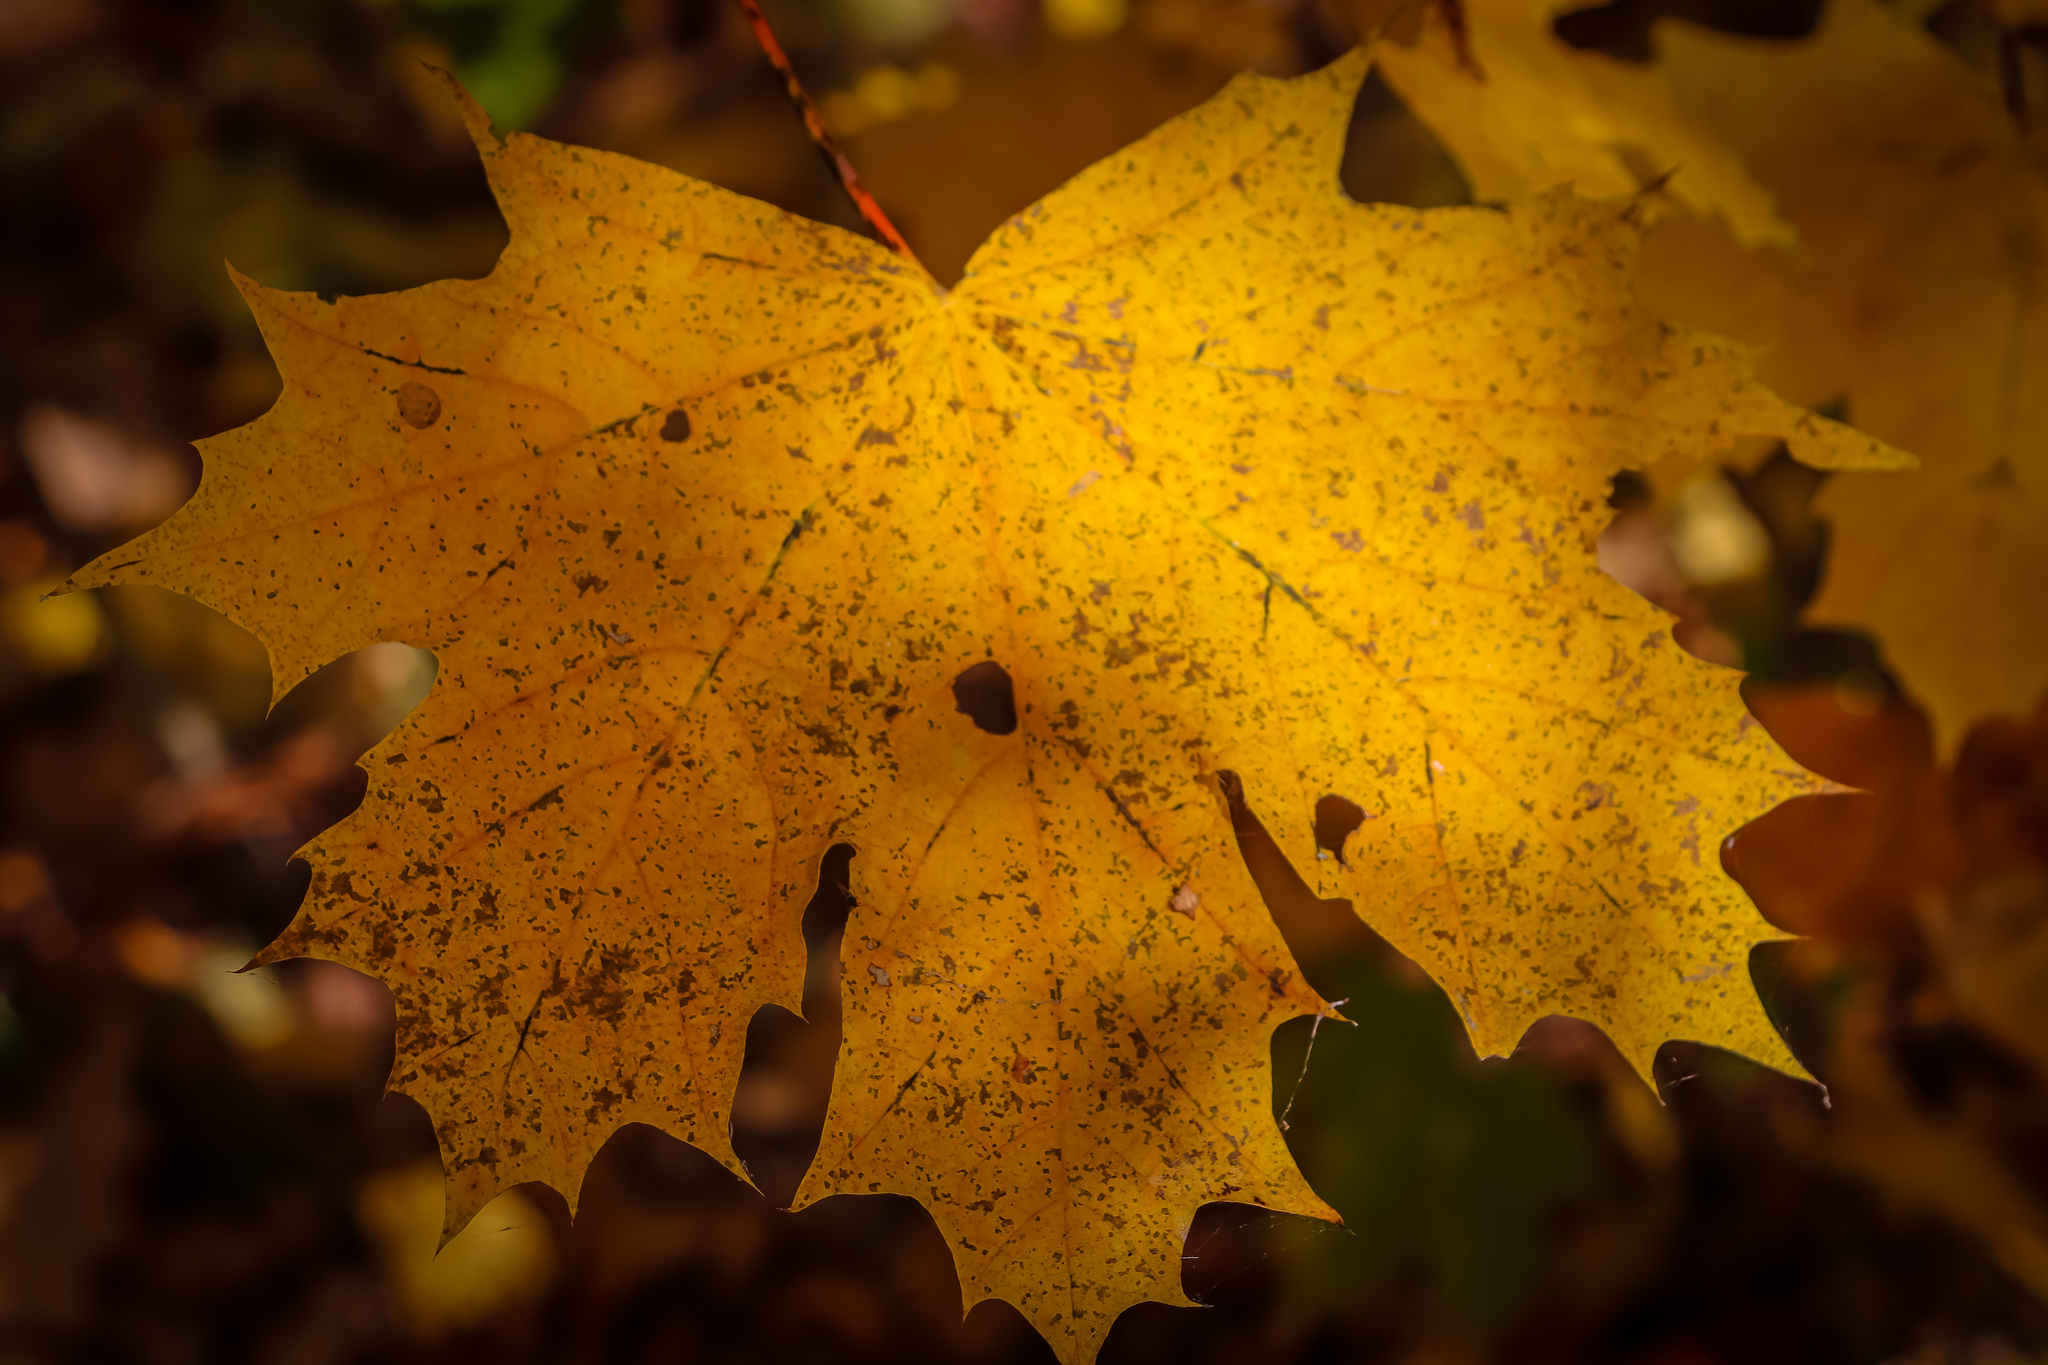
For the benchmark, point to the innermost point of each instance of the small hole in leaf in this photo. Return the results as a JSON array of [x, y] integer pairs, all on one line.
[[984, 695], [1628, 490], [418, 405], [677, 427], [1336, 818]]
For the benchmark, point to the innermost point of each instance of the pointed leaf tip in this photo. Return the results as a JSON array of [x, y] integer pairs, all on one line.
[[474, 116]]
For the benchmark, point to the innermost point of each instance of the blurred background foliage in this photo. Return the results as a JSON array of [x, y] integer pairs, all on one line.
[[199, 1163]]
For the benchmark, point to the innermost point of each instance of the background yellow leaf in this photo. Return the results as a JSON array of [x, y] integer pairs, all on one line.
[[1916, 302], [1522, 112]]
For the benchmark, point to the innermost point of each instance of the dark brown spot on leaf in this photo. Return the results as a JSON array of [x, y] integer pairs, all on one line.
[[676, 427], [418, 405]]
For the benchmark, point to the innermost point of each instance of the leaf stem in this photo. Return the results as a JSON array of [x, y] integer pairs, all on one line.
[[815, 124]]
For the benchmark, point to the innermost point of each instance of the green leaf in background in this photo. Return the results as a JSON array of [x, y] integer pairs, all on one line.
[[513, 54], [1447, 1171]]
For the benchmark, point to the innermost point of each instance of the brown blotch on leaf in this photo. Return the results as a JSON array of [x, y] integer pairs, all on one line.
[[1336, 818], [983, 693], [418, 405], [677, 427]]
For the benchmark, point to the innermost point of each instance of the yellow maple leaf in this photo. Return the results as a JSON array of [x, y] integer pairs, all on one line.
[[708, 511], [1914, 296]]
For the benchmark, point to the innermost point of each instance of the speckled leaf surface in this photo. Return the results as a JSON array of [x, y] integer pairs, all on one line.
[[704, 510]]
